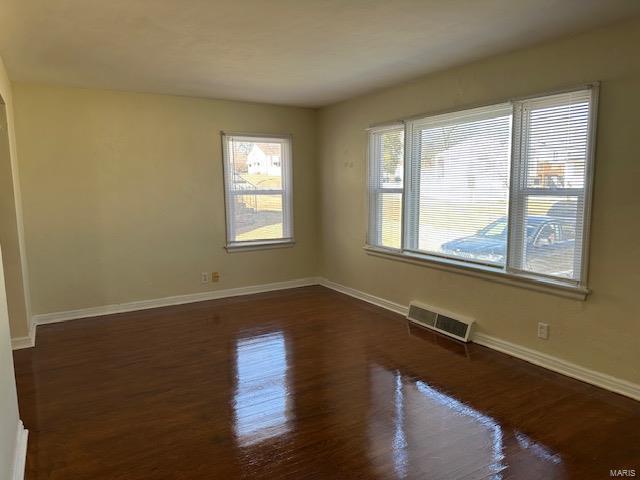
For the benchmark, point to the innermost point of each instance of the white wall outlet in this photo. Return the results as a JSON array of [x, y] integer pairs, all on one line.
[[204, 277], [543, 330]]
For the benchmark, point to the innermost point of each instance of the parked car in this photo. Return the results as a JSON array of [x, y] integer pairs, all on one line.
[[549, 245]]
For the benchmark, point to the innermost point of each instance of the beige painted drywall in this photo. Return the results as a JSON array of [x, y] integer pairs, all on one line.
[[8, 397], [14, 310], [600, 333], [11, 226], [123, 195]]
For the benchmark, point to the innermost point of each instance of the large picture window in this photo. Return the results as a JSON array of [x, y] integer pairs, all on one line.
[[257, 178], [501, 189]]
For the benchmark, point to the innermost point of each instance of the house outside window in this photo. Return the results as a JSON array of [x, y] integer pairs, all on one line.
[[258, 190]]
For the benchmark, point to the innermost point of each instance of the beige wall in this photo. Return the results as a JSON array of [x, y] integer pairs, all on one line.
[[8, 398], [123, 195], [601, 333], [11, 230], [12, 300]]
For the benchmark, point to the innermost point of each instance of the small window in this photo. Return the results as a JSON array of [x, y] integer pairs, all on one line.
[[257, 176]]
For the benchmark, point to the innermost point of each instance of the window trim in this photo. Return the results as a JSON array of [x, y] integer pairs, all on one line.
[[286, 191], [589, 181], [576, 289], [486, 272]]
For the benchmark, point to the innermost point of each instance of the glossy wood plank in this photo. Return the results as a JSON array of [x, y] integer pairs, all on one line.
[[303, 384]]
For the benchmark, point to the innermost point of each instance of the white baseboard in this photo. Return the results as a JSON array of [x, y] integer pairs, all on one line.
[[558, 365], [544, 360], [20, 452], [55, 317], [352, 292], [29, 341]]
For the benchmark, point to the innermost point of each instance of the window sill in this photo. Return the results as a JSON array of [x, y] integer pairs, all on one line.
[[261, 245], [554, 287]]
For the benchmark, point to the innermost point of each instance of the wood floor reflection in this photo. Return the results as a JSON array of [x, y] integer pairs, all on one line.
[[303, 384]]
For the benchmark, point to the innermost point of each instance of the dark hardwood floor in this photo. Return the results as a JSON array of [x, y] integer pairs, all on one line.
[[303, 384]]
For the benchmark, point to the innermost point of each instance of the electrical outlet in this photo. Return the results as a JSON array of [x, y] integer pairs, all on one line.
[[543, 330], [215, 276], [204, 278]]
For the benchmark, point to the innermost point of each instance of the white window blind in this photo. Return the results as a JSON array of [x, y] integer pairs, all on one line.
[[386, 185], [550, 178], [257, 177], [504, 187], [460, 184]]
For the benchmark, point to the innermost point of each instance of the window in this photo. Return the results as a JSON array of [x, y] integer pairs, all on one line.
[[459, 170], [257, 176], [501, 189], [386, 186]]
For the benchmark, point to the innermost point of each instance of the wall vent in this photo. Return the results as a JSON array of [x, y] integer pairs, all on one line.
[[455, 326]]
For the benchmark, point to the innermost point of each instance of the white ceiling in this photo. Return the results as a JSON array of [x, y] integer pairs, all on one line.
[[298, 52]]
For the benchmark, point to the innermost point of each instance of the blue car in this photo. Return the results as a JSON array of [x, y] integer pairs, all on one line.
[[549, 245]]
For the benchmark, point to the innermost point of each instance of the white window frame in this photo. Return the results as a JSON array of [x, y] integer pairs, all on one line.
[[286, 192], [412, 172], [374, 232], [508, 274]]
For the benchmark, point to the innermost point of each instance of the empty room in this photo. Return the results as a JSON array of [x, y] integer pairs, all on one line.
[[319, 239]]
